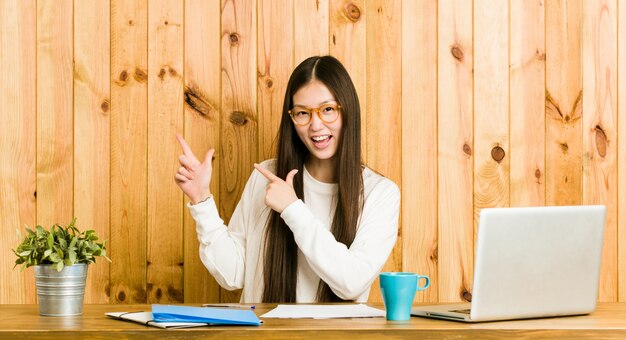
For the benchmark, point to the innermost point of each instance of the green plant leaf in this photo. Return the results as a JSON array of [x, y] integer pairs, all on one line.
[[59, 246], [50, 240], [72, 256], [54, 257], [58, 250], [91, 235]]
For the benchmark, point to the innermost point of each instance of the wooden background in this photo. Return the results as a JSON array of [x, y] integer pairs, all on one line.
[[466, 105]]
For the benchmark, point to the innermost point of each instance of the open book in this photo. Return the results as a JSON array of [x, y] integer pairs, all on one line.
[[170, 316], [145, 318]]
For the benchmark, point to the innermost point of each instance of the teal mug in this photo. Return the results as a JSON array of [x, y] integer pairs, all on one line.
[[398, 291]]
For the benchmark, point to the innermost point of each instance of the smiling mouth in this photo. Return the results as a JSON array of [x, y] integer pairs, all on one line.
[[320, 138], [321, 142]]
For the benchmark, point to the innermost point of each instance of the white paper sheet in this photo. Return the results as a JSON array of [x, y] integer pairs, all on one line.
[[323, 311]]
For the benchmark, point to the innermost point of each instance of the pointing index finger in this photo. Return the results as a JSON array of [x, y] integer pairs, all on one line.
[[268, 174], [186, 149]]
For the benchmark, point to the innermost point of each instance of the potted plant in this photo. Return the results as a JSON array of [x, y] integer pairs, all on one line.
[[61, 257]]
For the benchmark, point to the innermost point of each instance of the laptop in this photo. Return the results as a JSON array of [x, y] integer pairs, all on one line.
[[530, 263]]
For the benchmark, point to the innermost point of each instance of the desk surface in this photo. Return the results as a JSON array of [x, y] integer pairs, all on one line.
[[24, 321]]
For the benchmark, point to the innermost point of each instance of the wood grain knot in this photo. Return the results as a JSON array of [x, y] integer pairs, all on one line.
[[537, 173], [540, 55], [353, 12], [497, 153], [577, 110], [140, 75], [175, 294], [161, 74], [130, 22], [196, 101], [234, 39], [552, 107], [269, 83], [457, 53], [467, 149], [466, 296], [158, 294], [564, 147], [140, 294], [105, 105], [121, 296], [172, 72], [601, 141], [124, 76], [35, 194], [434, 255], [238, 118], [166, 22]]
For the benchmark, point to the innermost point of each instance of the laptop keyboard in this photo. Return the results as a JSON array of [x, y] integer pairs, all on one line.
[[464, 311]]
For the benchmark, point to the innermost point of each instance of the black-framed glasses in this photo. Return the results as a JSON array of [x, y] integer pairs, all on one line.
[[302, 115]]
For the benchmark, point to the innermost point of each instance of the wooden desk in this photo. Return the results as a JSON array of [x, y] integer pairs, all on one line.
[[24, 322]]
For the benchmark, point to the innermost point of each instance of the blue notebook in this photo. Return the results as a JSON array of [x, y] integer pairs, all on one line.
[[215, 316]]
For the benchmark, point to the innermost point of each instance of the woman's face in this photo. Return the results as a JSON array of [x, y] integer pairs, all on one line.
[[321, 138]]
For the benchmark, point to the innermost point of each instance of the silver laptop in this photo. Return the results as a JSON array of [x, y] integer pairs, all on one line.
[[531, 263]]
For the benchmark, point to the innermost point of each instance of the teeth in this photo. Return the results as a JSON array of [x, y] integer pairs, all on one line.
[[320, 138]]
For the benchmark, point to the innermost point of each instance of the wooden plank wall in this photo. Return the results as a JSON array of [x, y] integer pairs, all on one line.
[[202, 128], [129, 151], [599, 123], [454, 255], [165, 119], [466, 105], [18, 100], [92, 126]]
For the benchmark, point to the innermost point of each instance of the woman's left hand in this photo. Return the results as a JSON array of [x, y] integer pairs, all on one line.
[[280, 194]]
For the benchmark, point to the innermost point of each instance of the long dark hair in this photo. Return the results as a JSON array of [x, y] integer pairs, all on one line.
[[281, 251]]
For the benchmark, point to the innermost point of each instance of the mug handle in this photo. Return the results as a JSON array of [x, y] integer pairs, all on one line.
[[426, 284]]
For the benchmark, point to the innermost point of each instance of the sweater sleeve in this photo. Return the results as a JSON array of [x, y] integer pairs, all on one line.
[[222, 249], [349, 271]]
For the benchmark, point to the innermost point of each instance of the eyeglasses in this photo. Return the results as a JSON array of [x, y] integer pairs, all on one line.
[[302, 115]]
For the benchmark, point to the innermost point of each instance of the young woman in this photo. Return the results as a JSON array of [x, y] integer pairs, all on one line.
[[313, 225]]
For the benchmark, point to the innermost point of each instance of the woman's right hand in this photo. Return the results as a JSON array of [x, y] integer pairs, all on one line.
[[193, 177]]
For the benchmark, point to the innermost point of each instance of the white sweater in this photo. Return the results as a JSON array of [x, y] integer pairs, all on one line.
[[234, 254]]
